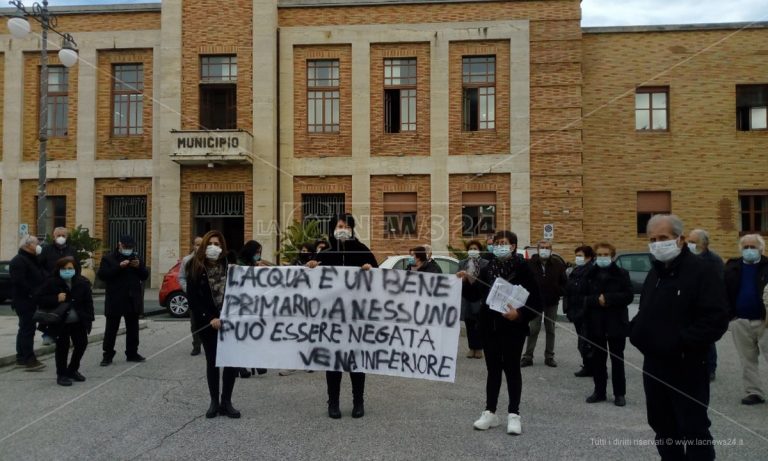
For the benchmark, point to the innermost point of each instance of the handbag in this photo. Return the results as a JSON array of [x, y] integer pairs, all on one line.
[[52, 317]]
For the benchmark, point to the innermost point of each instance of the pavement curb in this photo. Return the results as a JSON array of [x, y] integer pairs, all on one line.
[[47, 350]]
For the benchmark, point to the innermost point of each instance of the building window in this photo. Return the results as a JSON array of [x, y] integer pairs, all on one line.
[[400, 210], [479, 93], [649, 204], [322, 208], [478, 213], [56, 211], [323, 96], [128, 99], [399, 95], [58, 101], [751, 107], [218, 92], [754, 212], [652, 109]]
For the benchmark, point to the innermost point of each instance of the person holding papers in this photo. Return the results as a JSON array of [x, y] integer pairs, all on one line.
[[607, 293], [504, 333], [345, 250], [206, 279]]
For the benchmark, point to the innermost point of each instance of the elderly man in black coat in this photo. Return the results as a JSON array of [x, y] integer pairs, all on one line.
[[122, 271], [26, 277]]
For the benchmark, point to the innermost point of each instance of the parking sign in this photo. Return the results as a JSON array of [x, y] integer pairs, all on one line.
[[549, 231]]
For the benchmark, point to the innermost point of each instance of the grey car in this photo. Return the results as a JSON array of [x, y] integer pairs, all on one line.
[[5, 281], [638, 265]]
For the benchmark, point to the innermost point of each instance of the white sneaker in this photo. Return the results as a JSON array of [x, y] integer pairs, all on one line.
[[514, 426], [486, 421]]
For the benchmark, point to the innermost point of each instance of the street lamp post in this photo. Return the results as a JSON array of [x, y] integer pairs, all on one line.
[[20, 28]]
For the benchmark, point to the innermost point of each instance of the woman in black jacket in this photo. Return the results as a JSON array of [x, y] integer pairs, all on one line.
[[607, 293], [345, 250], [250, 255], [504, 334], [66, 286], [470, 297], [573, 305], [206, 279], [422, 262]]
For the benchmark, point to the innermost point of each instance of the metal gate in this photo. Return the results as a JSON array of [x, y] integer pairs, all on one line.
[[219, 205], [127, 216], [321, 207]]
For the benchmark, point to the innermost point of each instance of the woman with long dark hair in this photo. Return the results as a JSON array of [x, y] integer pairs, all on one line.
[[345, 250], [206, 279], [65, 285]]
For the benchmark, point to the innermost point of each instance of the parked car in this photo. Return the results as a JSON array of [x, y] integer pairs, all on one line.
[[172, 297], [5, 280], [447, 264], [638, 265]]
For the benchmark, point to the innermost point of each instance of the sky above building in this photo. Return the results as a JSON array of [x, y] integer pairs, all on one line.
[[614, 12]]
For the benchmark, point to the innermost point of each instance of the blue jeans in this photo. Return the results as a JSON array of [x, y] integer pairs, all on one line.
[[25, 338]]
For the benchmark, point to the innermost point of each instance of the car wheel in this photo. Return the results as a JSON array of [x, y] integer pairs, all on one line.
[[178, 306]]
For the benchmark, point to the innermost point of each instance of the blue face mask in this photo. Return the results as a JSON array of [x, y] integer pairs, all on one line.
[[502, 251], [490, 248], [126, 251], [750, 255], [256, 258], [411, 261], [67, 274], [603, 261]]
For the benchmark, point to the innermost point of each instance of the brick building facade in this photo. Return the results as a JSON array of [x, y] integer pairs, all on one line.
[[432, 122]]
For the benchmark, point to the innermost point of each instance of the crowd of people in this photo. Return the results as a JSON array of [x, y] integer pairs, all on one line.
[[688, 301]]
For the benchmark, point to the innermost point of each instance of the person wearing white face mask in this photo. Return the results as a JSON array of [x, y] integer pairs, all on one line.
[[26, 277], [746, 279], [682, 311], [470, 297], [573, 305], [607, 293], [57, 249], [698, 243], [551, 278], [345, 250], [122, 271]]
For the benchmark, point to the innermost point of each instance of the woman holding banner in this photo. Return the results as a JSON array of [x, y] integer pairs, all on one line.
[[503, 335], [345, 250], [206, 279]]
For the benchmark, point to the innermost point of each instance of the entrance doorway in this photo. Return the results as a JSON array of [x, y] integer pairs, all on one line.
[[224, 212]]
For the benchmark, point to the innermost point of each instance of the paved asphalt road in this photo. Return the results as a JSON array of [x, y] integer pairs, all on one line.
[[155, 410]]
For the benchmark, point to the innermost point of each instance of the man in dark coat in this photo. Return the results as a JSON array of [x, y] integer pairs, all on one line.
[[698, 243], [122, 271], [26, 277], [551, 280], [56, 250], [745, 281], [573, 305], [423, 263], [682, 311]]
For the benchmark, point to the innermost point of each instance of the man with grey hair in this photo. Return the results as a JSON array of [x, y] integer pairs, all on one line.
[[682, 311], [746, 279], [551, 279], [698, 243], [26, 278], [56, 250]]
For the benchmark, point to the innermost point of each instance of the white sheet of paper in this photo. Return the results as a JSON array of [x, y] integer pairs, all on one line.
[[503, 293]]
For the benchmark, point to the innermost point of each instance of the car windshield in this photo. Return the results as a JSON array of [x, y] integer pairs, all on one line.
[[635, 263]]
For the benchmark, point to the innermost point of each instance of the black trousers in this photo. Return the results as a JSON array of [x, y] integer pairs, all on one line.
[[209, 337], [601, 347], [502, 354], [474, 336], [584, 347], [712, 358], [193, 328], [677, 398], [78, 335], [131, 335], [333, 381], [25, 338]]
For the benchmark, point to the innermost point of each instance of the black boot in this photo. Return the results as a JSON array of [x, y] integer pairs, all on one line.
[[334, 411], [213, 410], [244, 373], [358, 409], [596, 397], [226, 409]]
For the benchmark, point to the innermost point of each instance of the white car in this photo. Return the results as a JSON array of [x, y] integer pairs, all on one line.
[[447, 264]]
